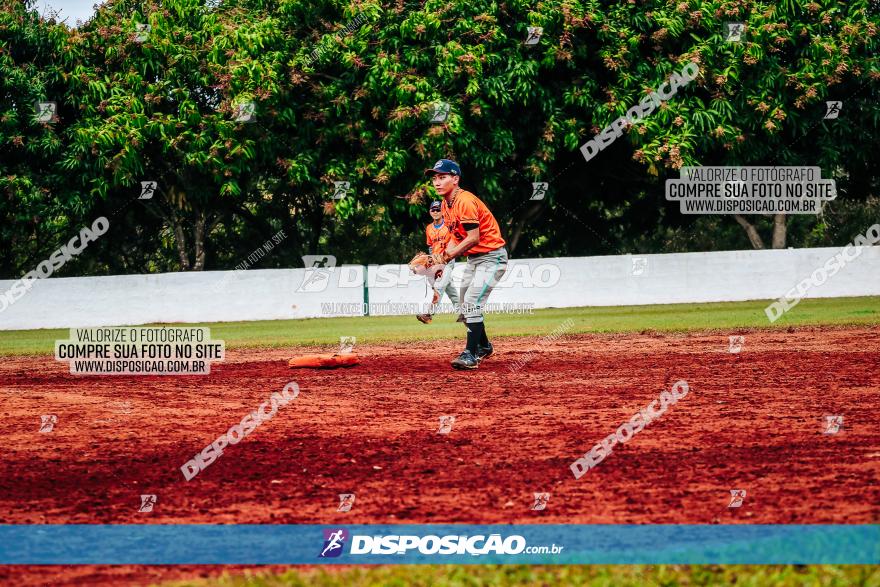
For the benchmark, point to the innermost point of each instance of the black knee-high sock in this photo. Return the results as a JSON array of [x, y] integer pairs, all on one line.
[[476, 331], [484, 340]]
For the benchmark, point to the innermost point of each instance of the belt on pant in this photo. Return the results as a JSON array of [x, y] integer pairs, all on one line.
[[475, 255]]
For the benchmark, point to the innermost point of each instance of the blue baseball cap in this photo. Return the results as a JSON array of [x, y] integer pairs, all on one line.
[[445, 166], [435, 205]]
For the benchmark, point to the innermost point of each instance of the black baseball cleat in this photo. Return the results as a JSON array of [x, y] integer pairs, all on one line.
[[484, 352], [466, 360]]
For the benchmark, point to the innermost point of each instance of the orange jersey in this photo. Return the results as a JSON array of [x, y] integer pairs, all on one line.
[[469, 209], [438, 237]]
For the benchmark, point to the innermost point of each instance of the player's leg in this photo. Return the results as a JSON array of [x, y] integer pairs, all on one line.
[[436, 295], [495, 274], [490, 268], [485, 272], [428, 315], [455, 299], [445, 285], [466, 360], [466, 278]]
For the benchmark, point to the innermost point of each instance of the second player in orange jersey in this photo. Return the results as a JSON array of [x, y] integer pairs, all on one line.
[[438, 237]]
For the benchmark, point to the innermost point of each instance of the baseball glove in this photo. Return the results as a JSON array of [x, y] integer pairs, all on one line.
[[420, 262]]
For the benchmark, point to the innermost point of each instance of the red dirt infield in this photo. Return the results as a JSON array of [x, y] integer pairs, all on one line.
[[752, 420]]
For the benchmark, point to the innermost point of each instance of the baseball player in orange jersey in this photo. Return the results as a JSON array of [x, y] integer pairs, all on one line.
[[438, 238], [477, 235]]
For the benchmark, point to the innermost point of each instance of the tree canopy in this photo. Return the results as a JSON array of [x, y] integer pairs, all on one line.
[[247, 115]]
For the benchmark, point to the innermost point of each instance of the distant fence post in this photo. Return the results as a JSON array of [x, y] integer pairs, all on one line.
[[366, 291]]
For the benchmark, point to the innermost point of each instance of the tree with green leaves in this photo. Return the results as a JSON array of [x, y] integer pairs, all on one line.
[[368, 94], [36, 208]]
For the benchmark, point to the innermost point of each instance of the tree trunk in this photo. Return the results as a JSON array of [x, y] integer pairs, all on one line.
[[171, 197], [780, 227], [317, 222], [199, 232], [179, 211], [754, 237], [530, 214], [180, 241]]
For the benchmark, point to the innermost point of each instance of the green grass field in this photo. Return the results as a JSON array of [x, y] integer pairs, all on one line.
[[668, 317], [596, 576]]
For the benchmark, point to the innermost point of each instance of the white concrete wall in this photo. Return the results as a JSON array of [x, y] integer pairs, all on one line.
[[273, 294], [209, 296], [694, 277]]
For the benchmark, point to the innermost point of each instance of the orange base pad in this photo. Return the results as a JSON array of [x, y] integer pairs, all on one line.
[[326, 361]]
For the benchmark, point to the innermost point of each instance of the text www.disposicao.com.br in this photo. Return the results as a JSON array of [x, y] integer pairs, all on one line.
[[140, 366]]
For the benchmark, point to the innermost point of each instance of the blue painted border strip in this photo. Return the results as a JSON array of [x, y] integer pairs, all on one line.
[[154, 544]]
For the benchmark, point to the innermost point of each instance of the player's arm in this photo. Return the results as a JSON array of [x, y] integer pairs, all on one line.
[[469, 217], [472, 238]]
